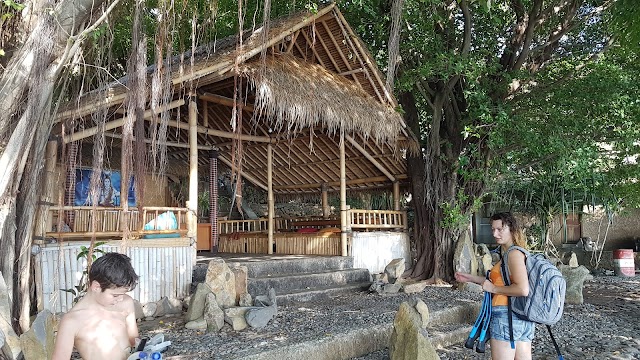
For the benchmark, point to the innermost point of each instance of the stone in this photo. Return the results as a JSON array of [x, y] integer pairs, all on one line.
[[482, 249], [573, 260], [575, 277], [391, 288], [197, 302], [198, 324], [12, 341], [213, 315], [266, 300], [138, 309], [464, 256], [395, 269], [222, 283], [149, 309], [377, 286], [411, 287], [485, 263], [235, 316], [423, 310], [240, 273], [381, 277], [245, 300], [258, 318], [38, 342], [409, 339]]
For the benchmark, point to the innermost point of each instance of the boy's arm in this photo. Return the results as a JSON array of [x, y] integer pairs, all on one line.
[[132, 325], [64, 340]]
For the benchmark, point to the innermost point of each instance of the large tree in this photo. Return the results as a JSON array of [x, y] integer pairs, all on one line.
[[487, 87]]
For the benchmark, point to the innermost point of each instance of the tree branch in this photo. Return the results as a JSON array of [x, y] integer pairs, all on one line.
[[466, 14], [532, 21]]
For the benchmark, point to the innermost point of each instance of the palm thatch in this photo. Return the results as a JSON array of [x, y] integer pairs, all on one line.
[[294, 95]]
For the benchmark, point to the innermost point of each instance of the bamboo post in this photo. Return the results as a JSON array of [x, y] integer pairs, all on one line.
[[270, 196], [343, 196], [325, 202], [192, 204], [396, 195]]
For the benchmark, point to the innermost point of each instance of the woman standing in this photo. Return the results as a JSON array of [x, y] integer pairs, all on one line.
[[507, 233]]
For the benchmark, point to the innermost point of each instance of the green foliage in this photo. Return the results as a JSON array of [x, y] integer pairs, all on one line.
[[80, 290]]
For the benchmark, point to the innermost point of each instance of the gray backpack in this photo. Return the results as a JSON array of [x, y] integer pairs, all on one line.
[[547, 288]]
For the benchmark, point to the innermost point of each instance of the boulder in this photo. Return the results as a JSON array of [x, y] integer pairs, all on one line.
[[235, 316], [394, 269], [222, 283], [259, 317], [411, 287], [198, 324], [197, 303], [38, 342], [409, 340], [575, 277], [464, 257], [213, 315], [240, 273]]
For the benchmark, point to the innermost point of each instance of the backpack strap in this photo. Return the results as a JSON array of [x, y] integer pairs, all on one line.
[[505, 279], [504, 266]]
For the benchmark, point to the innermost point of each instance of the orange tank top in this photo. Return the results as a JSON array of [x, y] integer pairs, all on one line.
[[496, 279]]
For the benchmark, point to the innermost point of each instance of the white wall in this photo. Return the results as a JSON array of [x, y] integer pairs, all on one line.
[[374, 250]]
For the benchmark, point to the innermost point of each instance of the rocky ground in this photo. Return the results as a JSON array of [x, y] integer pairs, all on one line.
[[606, 326]]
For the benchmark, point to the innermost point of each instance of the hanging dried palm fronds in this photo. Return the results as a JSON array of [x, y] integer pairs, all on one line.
[[136, 101], [394, 43], [161, 88]]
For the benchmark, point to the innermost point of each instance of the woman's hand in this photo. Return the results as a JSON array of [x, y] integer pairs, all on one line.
[[489, 287], [462, 277]]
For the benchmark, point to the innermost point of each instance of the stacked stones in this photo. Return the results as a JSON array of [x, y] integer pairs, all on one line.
[[223, 298]]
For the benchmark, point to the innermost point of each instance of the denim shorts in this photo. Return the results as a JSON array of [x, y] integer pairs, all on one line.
[[523, 330]]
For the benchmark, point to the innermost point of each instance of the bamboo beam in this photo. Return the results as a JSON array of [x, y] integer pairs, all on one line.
[[343, 197], [118, 122], [312, 47], [370, 158], [351, 72], [192, 222], [168, 143], [337, 183], [223, 100], [359, 51], [270, 198], [396, 195], [325, 202]]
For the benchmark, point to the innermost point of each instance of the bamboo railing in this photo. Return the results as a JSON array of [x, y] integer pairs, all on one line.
[[77, 222], [357, 220]]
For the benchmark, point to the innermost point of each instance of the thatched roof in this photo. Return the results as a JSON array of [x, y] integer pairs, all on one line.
[[297, 95], [317, 80]]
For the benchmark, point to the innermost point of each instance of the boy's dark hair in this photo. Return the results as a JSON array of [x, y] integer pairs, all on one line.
[[113, 270]]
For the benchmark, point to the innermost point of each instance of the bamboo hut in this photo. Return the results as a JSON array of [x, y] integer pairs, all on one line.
[[311, 115]]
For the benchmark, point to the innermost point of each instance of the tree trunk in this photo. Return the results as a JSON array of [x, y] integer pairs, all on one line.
[[26, 89]]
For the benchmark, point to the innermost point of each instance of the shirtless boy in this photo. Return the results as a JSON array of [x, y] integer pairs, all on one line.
[[102, 325]]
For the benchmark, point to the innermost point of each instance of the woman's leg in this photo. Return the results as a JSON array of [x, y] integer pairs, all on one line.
[[523, 350], [501, 350]]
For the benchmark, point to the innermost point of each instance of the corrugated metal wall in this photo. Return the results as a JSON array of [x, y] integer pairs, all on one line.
[[164, 266]]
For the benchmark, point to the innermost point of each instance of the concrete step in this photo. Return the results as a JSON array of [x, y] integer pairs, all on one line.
[[319, 294], [272, 265], [289, 283], [291, 264], [365, 340]]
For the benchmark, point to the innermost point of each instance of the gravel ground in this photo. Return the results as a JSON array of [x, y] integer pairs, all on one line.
[[607, 326]]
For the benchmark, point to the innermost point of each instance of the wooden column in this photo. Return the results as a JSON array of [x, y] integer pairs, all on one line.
[[270, 200], [343, 197], [192, 204], [325, 202], [396, 196]]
